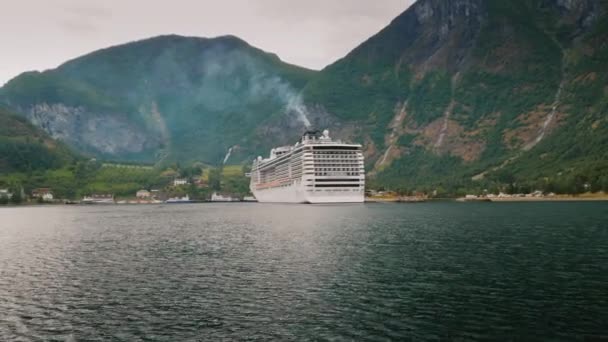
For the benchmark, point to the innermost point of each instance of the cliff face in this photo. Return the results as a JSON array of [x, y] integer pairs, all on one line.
[[105, 134]]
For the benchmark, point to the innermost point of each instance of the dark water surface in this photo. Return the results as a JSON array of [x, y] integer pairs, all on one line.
[[291, 272]]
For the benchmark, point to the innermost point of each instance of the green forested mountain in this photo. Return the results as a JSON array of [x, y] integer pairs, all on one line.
[[166, 98], [450, 95], [496, 91], [26, 148]]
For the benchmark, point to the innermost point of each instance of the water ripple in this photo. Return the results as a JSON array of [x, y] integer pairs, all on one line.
[[282, 272]]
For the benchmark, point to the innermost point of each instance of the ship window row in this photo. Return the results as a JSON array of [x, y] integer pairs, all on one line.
[[337, 149], [332, 156], [343, 161], [333, 160], [351, 180], [335, 152], [337, 173], [282, 160], [337, 169], [338, 165], [335, 190], [336, 185]]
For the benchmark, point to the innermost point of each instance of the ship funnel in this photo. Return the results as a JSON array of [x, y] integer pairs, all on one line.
[[311, 134]]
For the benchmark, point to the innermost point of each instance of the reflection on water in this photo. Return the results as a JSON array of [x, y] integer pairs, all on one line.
[[254, 271]]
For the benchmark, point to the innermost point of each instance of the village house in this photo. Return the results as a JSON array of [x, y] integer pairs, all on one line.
[[180, 181], [98, 199], [4, 193], [143, 194], [44, 194], [215, 197], [200, 183]]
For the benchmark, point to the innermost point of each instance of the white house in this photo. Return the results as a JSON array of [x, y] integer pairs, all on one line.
[[5, 194], [143, 194], [43, 193], [219, 198], [180, 181]]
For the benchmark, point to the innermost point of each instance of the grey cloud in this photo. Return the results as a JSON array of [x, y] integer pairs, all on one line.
[[88, 11], [83, 19], [311, 33]]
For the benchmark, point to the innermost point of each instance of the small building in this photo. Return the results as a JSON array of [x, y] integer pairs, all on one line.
[[220, 198], [180, 181], [143, 194], [155, 193], [4, 193], [44, 194], [98, 199], [178, 199], [200, 183]]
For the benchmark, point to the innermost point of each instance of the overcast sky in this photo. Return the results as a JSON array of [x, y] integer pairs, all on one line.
[[41, 34]]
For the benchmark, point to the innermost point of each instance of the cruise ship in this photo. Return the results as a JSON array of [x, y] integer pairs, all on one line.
[[315, 170]]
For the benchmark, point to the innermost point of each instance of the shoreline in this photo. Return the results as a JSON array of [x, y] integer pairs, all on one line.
[[557, 198], [552, 199]]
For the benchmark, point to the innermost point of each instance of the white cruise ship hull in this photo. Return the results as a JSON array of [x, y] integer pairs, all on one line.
[[296, 194], [316, 170]]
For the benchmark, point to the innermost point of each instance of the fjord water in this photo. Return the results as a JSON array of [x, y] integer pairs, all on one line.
[[345, 272]]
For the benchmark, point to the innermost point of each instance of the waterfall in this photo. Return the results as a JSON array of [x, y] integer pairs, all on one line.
[[444, 128], [388, 150], [549, 119], [228, 155], [543, 130]]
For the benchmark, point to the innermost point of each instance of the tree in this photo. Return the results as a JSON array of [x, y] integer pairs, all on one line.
[[215, 180], [16, 198]]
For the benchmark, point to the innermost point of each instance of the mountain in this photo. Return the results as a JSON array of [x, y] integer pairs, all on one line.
[[450, 96], [461, 92], [25, 148], [167, 98]]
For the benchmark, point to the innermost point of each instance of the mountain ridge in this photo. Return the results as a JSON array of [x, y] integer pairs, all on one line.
[[464, 87], [173, 79], [467, 93]]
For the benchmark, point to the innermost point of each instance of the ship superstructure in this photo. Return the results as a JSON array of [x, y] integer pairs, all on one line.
[[315, 170]]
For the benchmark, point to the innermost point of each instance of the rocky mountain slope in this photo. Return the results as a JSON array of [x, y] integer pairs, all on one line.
[[451, 94], [458, 90]]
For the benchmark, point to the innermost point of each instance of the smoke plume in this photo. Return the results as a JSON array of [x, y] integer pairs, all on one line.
[[246, 71]]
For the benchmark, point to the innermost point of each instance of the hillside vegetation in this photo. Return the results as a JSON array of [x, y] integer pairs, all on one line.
[[451, 96], [25, 148], [479, 94]]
